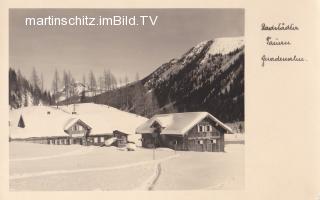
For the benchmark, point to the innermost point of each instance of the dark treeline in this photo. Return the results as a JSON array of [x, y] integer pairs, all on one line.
[[23, 92]]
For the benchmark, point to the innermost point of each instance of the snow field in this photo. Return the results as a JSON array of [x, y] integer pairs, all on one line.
[[125, 179], [24, 150], [204, 170], [107, 168]]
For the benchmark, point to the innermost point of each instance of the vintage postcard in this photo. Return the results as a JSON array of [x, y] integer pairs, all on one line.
[[170, 116], [132, 100]]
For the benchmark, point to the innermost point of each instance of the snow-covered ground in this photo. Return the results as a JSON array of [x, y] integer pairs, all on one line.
[[237, 137], [204, 170], [60, 168]]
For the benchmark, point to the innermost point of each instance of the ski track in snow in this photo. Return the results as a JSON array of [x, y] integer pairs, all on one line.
[[156, 177], [71, 153], [150, 182], [146, 185]]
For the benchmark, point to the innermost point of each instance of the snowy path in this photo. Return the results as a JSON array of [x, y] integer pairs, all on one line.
[[156, 177], [151, 181], [55, 172]]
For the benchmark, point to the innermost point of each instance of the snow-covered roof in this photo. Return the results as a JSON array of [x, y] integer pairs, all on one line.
[[105, 119], [101, 119], [177, 123], [40, 121]]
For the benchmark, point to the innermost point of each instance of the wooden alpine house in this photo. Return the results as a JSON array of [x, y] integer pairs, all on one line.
[[188, 131]]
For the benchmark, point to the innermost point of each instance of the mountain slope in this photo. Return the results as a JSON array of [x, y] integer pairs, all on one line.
[[208, 77]]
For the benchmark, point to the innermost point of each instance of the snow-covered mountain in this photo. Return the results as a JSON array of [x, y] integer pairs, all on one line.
[[226, 45], [208, 50], [74, 89], [74, 92], [208, 77], [78, 87]]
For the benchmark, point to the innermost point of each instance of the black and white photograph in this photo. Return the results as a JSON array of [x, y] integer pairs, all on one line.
[[126, 99]]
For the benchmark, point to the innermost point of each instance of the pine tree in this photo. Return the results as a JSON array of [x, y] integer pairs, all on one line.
[[21, 123]]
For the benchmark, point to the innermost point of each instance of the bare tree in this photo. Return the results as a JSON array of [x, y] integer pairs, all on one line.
[[126, 80], [41, 82], [92, 83], [113, 81], [71, 85], [106, 79], [84, 80], [34, 78], [137, 76], [120, 82], [36, 89], [101, 85], [55, 83], [66, 83]]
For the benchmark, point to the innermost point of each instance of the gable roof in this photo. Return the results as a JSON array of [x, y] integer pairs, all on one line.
[[177, 123], [73, 121]]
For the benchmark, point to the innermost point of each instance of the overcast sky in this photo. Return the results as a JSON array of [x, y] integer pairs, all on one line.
[[125, 50]]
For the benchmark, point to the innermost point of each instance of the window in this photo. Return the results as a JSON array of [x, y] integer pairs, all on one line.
[[204, 128], [200, 141], [213, 141], [200, 128], [101, 139], [96, 140]]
